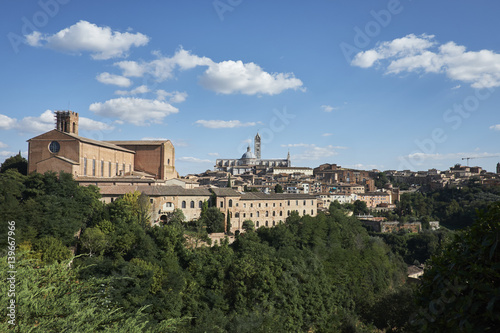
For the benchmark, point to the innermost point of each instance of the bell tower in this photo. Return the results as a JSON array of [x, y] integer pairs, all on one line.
[[67, 121], [257, 146]]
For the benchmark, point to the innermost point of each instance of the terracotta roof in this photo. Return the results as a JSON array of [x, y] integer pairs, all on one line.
[[275, 196], [225, 192], [158, 190], [139, 142], [87, 140]]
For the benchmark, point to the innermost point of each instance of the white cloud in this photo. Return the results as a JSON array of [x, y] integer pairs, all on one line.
[[229, 77], [223, 123], [7, 123], [87, 124], [3, 145], [117, 80], [314, 152], [458, 86], [44, 123], [8, 153], [101, 42], [175, 96], [226, 77], [495, 127], [139, 90], [481, 69], [328, 108], [326, 134], [137, 111], [193, 160], [213, 154]]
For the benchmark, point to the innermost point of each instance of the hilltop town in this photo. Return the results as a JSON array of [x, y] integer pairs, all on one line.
[[265, 191]]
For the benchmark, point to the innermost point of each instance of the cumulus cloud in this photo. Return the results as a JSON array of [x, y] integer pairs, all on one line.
[[6, 122], [193, 160], [101, 42], [223, 123], [226, 77], [137, 111], [3, 145], [174, 97], [43, 123], [495, 127], [117, 80], [88, 124], [139, 90], [481, 69], [46, 122]]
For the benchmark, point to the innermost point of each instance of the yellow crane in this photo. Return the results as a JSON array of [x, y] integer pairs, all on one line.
[[474, 157]]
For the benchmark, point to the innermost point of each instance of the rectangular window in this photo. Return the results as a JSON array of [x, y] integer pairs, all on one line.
[[130, 168], [93, 167], [84, 166], [109, 172], [116, 168], [123, 168], [102, 168]]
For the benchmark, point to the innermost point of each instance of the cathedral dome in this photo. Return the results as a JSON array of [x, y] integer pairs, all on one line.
[[248, 154]]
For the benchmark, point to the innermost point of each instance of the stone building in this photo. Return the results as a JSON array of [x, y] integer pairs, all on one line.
[[264, 210], [62, 149], [250, 162]]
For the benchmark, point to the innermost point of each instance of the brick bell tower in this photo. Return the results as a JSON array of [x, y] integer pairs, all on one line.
[[67, 121]]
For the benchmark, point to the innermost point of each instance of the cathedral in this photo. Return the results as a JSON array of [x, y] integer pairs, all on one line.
[[62, 149], [251, 162]]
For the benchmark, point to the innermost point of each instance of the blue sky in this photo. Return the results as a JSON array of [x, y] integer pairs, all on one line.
[[364, 84]]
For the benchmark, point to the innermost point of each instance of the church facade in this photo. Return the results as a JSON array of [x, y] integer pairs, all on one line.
[[62, 149], [251, 162]]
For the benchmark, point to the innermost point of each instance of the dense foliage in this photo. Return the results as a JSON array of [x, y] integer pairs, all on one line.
[[310, 274], [461, 289]]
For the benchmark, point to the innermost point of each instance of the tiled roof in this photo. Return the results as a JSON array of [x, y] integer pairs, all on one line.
[[158, 190], [139, 142]]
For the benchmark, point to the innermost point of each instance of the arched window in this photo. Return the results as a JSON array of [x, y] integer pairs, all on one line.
[[258, 214], [267, 223], [304, 212], [183, 204], [200, 204], [274, 213], [192, 204], [267, 213], [312, 212], [274, 223], [230, 203], [288, 213], [281, 213]]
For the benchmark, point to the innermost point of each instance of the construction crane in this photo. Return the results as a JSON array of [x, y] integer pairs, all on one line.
[[474, 157]]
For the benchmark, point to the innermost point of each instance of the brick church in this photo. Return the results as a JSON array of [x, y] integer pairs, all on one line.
[[62, 149]]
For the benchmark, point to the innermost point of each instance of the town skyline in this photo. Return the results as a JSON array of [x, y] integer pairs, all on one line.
[[389, 85]]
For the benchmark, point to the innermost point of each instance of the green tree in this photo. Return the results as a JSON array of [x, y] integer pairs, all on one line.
[[213, 219], [16, 162], [278, 188], [459, 290], [248, 225], [94, 240], [360, 207]]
